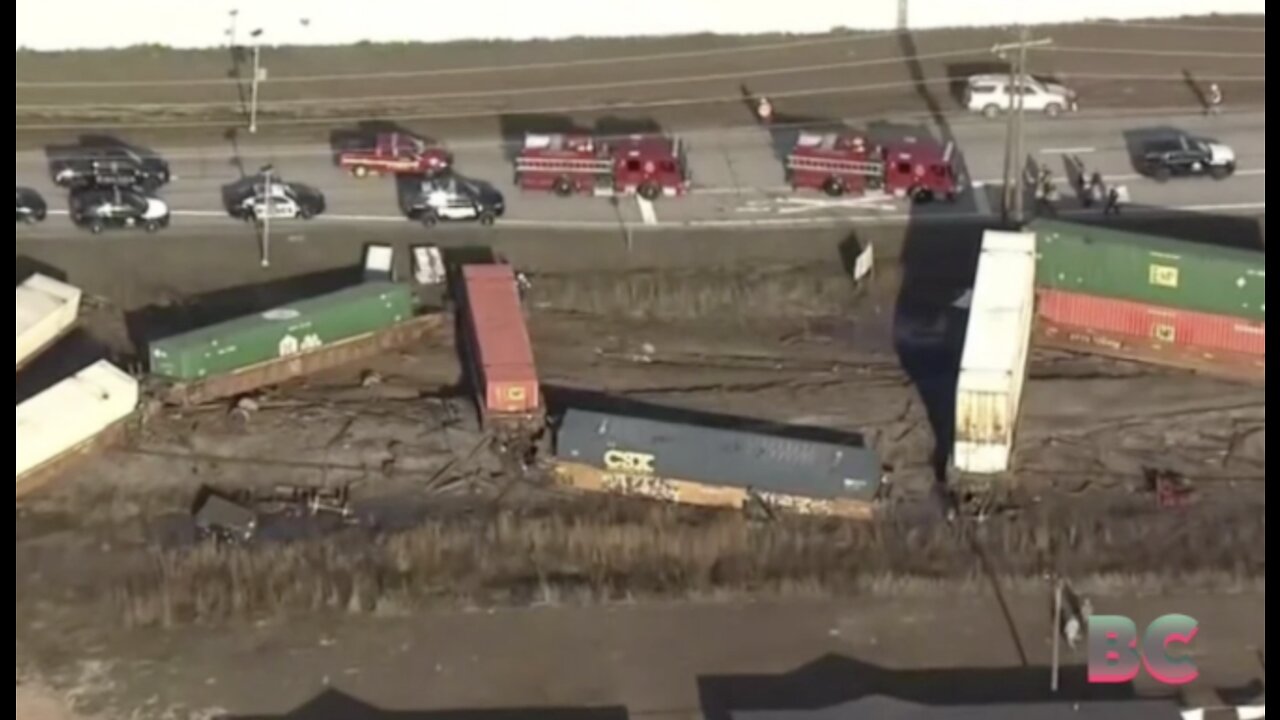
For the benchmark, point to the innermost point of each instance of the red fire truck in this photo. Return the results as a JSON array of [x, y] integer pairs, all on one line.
[[648, 166], [393, 154], [849, 163]]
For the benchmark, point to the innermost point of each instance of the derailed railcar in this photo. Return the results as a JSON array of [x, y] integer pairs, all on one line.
[[45, 310], [288, 342], [715, 467], [499, 351], [79, 415]]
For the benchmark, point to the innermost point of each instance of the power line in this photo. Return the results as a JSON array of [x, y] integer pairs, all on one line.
[[479, 94], [475, 70], [599, 107], [1123, 25], [655, 82], [1170, 77], [1156, 53]]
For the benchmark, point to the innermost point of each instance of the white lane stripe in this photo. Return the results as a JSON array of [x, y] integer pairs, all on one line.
[[1252, 172], [875, 219], [647, 211], [1069, 151], [981, 203]]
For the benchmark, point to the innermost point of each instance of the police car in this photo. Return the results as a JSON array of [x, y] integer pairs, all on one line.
[[1183, 155], [450, 198], [280, 200], [30, 208], [112, 208]]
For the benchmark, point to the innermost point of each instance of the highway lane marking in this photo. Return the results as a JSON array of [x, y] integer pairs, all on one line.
[[1253, 172], [647, 211], [787, 222], [981, 203], [1069, 151]]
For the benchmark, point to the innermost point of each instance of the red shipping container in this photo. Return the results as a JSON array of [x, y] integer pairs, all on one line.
[[1159, 326], [501, 351]]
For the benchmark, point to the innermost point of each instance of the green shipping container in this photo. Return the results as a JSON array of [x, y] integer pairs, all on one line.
[[290, 330], [1149, 269]]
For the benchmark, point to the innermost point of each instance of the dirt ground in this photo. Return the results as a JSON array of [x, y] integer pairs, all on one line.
[[684, 662], [474, 89]]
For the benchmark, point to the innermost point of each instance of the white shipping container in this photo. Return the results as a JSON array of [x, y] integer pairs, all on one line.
[[45, 309], [72, 413], [997, 346]]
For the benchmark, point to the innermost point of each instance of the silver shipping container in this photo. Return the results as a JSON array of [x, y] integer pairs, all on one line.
[[762, 463]]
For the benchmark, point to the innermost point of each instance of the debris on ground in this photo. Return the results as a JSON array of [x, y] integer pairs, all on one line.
[[1172, 490], [221, 519]]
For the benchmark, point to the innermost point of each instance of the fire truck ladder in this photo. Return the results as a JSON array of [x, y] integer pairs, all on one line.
[[835, 166], [575, 166]]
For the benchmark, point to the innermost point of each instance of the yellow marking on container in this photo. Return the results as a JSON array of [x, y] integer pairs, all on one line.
[[1164, 276]]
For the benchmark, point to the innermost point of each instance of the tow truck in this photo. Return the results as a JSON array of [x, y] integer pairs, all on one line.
[[848, 163], [393, 154], [646, 165]]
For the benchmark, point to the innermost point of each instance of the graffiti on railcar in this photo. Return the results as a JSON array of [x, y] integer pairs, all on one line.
[[646, 486], [798, 504]]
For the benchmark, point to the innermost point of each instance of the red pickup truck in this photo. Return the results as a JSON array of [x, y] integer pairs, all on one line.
[[393, 154]]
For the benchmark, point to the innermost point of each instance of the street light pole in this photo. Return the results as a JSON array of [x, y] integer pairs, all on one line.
[[268, 187], [257, 76]]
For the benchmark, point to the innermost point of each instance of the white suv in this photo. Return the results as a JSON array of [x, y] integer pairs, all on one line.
[[989, 95]]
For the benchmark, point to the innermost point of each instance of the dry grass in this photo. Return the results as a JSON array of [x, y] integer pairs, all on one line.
[[771, 292], [616, 552]]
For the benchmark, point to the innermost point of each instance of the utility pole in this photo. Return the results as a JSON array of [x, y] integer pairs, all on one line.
[[231, 33], [1057, 635], [1014, 199], [259, 74]]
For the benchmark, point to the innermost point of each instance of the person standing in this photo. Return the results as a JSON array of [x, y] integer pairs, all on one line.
[[1047, 194], [1097, 190], [1115, 197], [764, 111], [1214, 100]]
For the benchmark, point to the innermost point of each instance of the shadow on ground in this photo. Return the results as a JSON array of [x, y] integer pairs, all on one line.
[[938, 267], [71, 354], [155, 322], [834, 680], [25, 267], [337, 705]]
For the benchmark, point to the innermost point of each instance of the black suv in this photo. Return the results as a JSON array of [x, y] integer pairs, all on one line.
[[449, 198], [1183, 155], [110, 208], [31, 208], [89, 167]]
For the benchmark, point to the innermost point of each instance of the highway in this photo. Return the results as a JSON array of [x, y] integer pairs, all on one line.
[[738, 179]]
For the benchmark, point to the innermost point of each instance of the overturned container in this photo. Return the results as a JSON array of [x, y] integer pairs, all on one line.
[[712, 466], [997, 347]]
